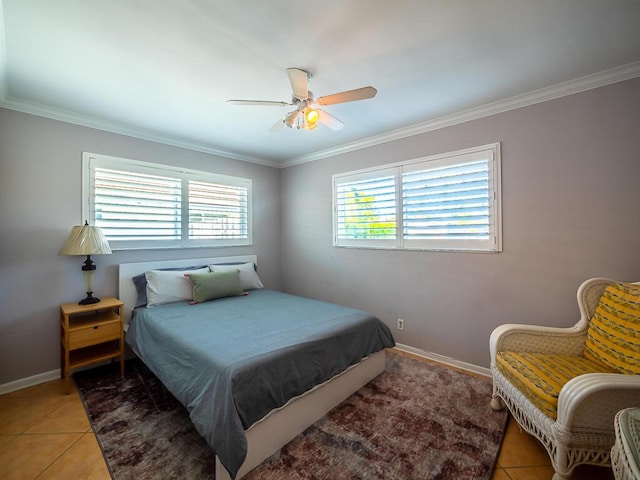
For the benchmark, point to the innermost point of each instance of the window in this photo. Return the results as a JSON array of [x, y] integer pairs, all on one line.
[[444, 202], [145, 205]]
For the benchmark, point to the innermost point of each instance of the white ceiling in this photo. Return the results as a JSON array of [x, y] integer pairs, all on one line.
[[163, 70]]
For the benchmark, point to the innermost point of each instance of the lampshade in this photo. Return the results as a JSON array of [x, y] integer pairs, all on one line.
[[85, 240]]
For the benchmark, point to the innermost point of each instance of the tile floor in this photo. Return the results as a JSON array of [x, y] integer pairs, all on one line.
[[46, 435]]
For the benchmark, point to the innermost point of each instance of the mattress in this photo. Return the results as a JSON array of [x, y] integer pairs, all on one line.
[[233, 360]]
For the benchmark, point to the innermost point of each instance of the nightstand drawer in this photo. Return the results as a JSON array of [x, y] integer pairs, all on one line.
[[93, 334]]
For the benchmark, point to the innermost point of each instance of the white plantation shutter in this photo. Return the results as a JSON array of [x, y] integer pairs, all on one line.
[[217, 211], [135, 206], [144, 205], [445, 202], [448, 204], [365, 209]]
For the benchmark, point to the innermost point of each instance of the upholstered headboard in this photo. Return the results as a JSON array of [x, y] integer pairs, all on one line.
[[127, 290]]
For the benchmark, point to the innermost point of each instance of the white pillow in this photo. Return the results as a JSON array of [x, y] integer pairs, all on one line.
[[169, 286], [249, 279]]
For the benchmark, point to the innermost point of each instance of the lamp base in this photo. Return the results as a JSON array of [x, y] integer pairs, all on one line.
[[89, 299]]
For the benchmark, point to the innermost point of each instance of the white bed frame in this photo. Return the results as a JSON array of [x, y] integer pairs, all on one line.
[[277, 428]]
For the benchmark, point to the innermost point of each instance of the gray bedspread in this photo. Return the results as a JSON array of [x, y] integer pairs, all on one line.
[[232, 360]]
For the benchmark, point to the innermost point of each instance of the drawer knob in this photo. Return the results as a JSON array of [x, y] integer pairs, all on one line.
[[95, 327]]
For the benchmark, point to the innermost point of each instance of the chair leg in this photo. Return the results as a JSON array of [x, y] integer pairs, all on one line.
[[498, 404]]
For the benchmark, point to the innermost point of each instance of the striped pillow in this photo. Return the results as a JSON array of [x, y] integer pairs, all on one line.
[[613, 337]]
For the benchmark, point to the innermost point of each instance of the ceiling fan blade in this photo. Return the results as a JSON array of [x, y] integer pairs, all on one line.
[[299, 83], [329, 120], [278, 125], [258, 102], [348, 96]]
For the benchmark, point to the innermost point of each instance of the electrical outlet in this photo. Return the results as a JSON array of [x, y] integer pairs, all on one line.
[[400, 324]]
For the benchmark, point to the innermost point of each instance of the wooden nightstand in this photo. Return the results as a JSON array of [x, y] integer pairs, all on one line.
[[90, 334]]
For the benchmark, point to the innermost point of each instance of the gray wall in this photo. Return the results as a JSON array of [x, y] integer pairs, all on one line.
[[571, 197], [40, 182], [571, 211]]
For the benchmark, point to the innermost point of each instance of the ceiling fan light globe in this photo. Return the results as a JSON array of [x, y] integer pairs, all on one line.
[[312, 116], [290, 120]]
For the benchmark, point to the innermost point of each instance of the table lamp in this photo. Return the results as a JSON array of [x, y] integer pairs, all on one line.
[[86, 240]]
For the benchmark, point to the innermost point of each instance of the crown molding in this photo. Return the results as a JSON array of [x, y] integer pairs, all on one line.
[[121, 129], [3, 56], [588, 82]]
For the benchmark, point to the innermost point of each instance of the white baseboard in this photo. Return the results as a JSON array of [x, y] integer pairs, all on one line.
[[470, 367], [29, 381], [55, 374]]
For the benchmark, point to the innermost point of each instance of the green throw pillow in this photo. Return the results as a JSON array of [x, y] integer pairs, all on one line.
[[209, 286]]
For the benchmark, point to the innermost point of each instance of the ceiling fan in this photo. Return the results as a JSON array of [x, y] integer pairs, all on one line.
[[307, 113]]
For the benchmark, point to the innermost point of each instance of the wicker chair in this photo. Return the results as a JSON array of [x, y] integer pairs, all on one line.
[[583, 432], [625, 454]]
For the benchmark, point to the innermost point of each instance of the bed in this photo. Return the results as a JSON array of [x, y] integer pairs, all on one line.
[[252, 370]]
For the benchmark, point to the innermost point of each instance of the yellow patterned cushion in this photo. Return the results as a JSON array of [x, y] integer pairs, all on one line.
[[613, 337], [540, 377]]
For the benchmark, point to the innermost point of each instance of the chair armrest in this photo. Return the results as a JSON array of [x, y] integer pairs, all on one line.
[[591, 401], [538, 339]]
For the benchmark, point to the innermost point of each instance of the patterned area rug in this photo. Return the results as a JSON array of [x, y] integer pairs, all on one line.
[[415, 421]]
